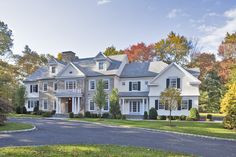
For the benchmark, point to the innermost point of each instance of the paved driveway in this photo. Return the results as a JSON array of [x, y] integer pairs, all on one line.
[[64, 132]]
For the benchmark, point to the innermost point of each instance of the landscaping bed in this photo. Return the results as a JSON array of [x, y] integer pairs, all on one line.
[[12, 126], [191, 127], [85, 151]]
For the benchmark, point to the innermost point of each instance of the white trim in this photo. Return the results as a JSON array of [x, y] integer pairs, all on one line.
[[64, 69], [43, 100], [71, 80], [94, 85], [108, 80], [43, 86], [91, 100]]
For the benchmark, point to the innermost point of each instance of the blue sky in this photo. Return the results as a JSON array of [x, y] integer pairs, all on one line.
[[89, 26]]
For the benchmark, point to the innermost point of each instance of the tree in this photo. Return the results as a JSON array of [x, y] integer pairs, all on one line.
[[19, 96], [100, 96], [214, 89], [114, 103], [6, 41], [140, 52], [203, 101], [4, 108], [59, 56], [30, 61], [204, 61], [112, 51], [227, 48], [170, 97], [174, 48]]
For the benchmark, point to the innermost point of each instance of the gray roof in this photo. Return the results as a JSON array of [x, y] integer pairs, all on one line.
[[133, 94], [143, 69], [40, 73]]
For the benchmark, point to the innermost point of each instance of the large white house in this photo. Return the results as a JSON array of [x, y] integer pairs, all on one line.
[[69, 85]]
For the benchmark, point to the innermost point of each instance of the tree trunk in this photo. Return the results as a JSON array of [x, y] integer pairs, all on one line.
[[170, 117]]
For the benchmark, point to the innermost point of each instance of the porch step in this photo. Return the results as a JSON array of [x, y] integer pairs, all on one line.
[[135, 117], [61, 116]]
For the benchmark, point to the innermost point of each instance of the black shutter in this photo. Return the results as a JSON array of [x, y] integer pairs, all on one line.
[[190, 104], [37, 103], [179, 105], [178, 83], [156, 104], [36, 88], [139, 85], [130, 86], [130, 106], [167, 83], [31, 89], [28, 104]]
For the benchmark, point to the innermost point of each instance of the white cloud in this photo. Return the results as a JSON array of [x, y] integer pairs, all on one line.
[[205, 28], [102, 2], [176, 12], [212, 39]]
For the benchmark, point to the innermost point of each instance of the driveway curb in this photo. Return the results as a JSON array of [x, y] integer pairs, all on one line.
[[156, 130], [15, 131]]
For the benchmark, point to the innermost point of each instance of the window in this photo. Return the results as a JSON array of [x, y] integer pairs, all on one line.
[[184, 105], [161, 106], [91, 105], [53, 70], [106, 84], [45, 87], [70, 84], [123, 83], [32, 103], [45, 104], [33, 88], [100, 65], [91, 84], [173, 82], [134, 106], [55, 86], [135, 86], [106, 107]]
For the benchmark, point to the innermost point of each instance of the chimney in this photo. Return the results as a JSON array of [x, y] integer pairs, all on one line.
[[68, 56]]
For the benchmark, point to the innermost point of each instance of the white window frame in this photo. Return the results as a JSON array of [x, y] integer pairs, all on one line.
[[33, 87], [161, 105], [173, 79], [99, 64], [45, 100], [45, 83], [182, 104], [52, 69], [74, 84], [108, 105], [138, 103], [91, 100], [108, 82], [90, 85], [135, 82]]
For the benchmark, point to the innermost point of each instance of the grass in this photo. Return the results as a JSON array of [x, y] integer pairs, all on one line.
[[191, 127], [9, 126], [14, 115], [85, 151]]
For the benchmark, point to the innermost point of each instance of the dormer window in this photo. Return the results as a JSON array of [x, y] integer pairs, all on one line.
[[100, 65], [53, 70]]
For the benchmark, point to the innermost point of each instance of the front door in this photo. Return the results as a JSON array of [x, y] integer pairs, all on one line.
[[69, 105]]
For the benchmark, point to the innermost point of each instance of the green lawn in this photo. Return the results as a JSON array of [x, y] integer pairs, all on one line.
[[14, 115], [192, 127], [9, 126], [85, 151]]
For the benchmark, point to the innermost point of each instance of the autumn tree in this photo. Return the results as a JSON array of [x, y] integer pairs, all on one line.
[[175, 48], [59, 56], [6, 41], [170, 97], [30, 61], [112, 51], [227, 48], [140, 52], [100, 96]]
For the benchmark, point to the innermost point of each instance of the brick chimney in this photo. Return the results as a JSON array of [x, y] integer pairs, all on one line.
[[68, 56]]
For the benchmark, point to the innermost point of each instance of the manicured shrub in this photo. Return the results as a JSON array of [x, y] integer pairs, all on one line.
[[36, 109], [172, 117], [189, 119], [176, 117], [194, 114], [145, 116], [87, 114], [162, 117], [182, 117], [94, 115], [24, 110], [53, 112], [40, 112], [71, 115], [123, 117], [80, 115], [3, 118], [46, 114], [18, 110], [105, 115], [209, 117], [152, 113], [229, 122]]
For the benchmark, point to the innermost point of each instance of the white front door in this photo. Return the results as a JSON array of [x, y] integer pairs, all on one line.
[[135, 107]]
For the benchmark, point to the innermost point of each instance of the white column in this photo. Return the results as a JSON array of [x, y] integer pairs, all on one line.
[[78, 109], [59, 105], [123, 106], [76, 103], [142, 112], [73, 104]]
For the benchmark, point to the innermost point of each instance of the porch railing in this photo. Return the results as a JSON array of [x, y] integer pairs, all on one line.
[[77, 91]]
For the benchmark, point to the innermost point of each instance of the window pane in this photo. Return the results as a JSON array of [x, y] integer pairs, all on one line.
[[161, 106], [106, 84], [45, 104], [45, 87], [106, 106], [184, 104], [91, 105], [53, 69], [100, 65], [135, 85], [173, 83], [92, 84]]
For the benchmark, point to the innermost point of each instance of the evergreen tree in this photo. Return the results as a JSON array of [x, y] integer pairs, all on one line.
[[114, 103]]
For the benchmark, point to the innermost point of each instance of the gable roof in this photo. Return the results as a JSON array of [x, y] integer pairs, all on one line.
[[65, 68], [194, 79]]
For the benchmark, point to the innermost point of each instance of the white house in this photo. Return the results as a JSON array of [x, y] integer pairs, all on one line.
[[69, 85]]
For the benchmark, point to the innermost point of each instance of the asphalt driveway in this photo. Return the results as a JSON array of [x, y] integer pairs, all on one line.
[[63, 132]]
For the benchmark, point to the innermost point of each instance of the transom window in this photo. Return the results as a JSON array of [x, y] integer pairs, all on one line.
[[100, 65], [70, 84], [91, 105], [92, 84], [184, 105], [45, 87], [134, 85], [53, 70], [173, 82], [106, 84]]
